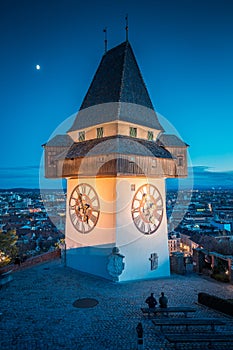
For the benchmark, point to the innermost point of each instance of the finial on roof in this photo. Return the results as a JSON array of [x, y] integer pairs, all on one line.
[[105, 39], [126, 27]]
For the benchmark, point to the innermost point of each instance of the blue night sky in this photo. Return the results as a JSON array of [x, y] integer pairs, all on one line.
[[185, 52]]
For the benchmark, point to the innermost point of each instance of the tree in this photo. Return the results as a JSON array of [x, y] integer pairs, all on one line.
[[225, 247], [8, 249], [209, 243]]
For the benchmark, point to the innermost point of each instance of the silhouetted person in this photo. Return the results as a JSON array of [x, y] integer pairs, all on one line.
[[163, 300], [17, 260], [139, 330], [151, 301]]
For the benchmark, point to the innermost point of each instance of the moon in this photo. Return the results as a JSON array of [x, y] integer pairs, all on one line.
[[37, 67]]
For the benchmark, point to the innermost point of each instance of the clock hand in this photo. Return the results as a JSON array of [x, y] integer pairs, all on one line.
[[84, 207], [81, 200]]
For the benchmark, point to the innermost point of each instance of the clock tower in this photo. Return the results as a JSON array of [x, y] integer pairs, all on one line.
[[116, 157]]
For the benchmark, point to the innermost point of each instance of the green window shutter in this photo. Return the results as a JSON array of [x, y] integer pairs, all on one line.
[[100, 132], [133, 132], [81, 136]]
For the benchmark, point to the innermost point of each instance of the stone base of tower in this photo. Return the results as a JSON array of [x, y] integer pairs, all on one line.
[[95, 260], [115, 249], [91, 260]]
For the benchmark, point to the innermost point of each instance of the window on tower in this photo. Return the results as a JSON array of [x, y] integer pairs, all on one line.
[[81, 136], [100, 132], [50, 159], [133, 132], [154, 163], [180, 161], [150, 135]]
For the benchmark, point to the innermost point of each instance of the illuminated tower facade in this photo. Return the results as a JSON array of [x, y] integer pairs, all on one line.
[[116, 157]]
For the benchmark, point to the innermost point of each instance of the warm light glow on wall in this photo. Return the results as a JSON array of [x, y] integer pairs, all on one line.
[[105, 188]]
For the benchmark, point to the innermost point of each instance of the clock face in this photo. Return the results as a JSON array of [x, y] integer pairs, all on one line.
[[84, 208], [147, 209]]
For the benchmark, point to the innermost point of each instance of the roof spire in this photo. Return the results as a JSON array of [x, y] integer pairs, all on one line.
[[126, 26], [105, 39]]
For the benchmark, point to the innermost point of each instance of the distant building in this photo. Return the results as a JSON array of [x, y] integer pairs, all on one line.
[[27, 202], [174, 242], [187, 244], [221, 224]]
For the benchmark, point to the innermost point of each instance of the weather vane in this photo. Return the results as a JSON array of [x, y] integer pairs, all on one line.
[[105, 39], [126, 27]]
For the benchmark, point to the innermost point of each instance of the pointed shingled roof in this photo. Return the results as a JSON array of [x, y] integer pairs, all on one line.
[[118, 81]]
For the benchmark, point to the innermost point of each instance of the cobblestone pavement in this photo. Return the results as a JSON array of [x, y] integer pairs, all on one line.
[[37, 310]]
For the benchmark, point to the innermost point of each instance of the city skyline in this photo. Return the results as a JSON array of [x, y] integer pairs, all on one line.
[[184, 52]]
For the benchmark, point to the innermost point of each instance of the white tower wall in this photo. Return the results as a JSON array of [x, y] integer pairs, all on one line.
[[133, 244], [89, 252]]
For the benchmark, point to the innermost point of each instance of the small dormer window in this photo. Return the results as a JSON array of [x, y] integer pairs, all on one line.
[[150, 135], [99, 132], [81, 136], [133, 132]]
